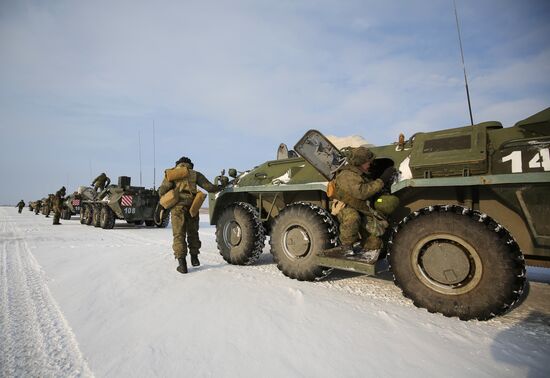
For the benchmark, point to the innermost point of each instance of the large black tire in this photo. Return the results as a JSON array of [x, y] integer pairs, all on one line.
[[300, 232], [240, 234], [96, 216], [161, 217], [107, 218], [89, 215], [149, 223], [457, 262]]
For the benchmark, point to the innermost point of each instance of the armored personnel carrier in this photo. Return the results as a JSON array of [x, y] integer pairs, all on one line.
[[471, 214], [134, 204], [71, 205]]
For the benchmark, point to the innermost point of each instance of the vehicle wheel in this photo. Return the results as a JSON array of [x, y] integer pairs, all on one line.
[[161, 217], [239, 234], [107, 218], [457, 262], [96, 216], [149, 223], [89, 215], [138, 222], [82, 215], [300, 232]]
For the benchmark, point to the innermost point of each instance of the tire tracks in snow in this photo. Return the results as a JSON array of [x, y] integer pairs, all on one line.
[[36, 340]]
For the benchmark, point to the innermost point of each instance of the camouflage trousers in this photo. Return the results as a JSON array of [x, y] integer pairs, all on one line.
[[185, 230], [366, 227], [20, 209]]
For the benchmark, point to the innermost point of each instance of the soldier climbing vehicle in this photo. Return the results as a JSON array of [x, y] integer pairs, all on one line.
[[472, 212]]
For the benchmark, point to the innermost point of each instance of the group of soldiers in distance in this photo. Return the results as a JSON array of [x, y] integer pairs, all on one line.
[[185, 223], [55, 202]]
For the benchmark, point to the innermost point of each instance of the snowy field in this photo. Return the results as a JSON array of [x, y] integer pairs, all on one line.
[[80, 301]]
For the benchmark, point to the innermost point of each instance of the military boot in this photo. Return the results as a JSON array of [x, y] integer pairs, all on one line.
[[195, 260], [369, 256], [182, 267]]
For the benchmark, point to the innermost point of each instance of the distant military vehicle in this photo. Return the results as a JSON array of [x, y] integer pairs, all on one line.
[[71, 206], [134, 204], [473, 207]]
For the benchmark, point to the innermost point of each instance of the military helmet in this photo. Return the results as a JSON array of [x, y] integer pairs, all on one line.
[[360, 156], [386, 204]]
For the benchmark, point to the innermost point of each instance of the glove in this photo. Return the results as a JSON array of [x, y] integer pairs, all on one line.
[[387, 175]]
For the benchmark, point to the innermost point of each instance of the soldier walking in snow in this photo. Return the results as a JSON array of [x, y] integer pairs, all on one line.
[[20, 205], [180, 185]]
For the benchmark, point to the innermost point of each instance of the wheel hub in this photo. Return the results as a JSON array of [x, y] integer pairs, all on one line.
[[296, 242], [232, 234], [447, 264]]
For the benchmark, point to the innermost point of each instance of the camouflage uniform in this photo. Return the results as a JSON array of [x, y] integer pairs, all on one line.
[[100, 182], [20, 205], [183, 224], [49, 204], [37, 207], [358, 221], [57, 203]]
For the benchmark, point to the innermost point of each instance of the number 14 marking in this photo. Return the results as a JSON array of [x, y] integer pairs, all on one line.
[[540, 160]]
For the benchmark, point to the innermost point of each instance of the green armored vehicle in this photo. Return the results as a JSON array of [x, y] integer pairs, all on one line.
[[134, 204], [71, 205], [471, 214]]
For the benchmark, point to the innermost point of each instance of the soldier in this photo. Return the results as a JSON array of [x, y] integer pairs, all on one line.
[[100, 182], [57, 204], [360, 225], [20, 205], [37, 207], [48, 205], [183, 223]]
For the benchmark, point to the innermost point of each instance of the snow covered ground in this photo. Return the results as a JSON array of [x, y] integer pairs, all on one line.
[[80, 301]]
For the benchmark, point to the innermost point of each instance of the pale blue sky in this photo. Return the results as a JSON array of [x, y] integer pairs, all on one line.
[[226, 81]]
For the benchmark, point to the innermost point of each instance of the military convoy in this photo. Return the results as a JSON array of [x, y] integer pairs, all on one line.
[[473, 202], [136, 205]]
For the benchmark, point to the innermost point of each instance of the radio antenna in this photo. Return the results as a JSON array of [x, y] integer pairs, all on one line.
[[139, 143], [154, 160], [463, 65]]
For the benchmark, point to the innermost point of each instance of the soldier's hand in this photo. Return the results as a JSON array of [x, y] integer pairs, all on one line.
[[387, 175]]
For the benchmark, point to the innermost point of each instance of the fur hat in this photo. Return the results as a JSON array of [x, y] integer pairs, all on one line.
[[185, 159]]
